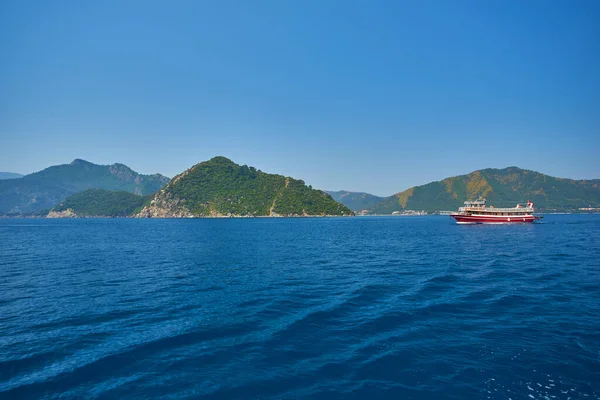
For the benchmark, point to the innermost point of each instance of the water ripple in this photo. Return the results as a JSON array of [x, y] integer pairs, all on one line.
[[359, 308]]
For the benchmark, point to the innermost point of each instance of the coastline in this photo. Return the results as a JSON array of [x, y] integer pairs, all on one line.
[[18, 216], [194, 217]]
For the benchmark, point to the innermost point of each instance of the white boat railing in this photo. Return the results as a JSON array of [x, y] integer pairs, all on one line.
[[498, 209]]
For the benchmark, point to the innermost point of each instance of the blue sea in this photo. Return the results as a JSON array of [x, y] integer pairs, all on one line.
[[290, 308]]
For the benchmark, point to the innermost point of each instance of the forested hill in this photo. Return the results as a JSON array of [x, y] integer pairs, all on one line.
[[219, 187], [501, 187], [47, 188], [100, 203]]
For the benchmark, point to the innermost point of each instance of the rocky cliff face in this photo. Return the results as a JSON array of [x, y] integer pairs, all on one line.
[[124, 173], [68, 213], [163, 205]]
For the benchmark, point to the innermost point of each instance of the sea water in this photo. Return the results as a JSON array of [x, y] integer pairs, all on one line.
[[320, 308]]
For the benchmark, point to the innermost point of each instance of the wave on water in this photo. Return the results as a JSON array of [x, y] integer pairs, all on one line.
[[417, 308]]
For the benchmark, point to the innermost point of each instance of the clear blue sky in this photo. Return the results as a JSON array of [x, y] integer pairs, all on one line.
[[358, 95]]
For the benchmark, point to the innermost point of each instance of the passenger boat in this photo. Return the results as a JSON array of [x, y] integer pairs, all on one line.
[[475, 212]]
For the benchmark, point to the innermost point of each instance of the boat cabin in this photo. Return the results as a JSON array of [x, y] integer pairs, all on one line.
[[477, 207], [480, 202]]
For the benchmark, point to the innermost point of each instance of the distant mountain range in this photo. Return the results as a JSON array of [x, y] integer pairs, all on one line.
[[356, 201], [45, 189], [10, 175], [220, 187], [501, 187]]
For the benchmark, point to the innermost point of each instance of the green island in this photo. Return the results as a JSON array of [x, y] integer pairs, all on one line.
[[100, 203], [220, 187]]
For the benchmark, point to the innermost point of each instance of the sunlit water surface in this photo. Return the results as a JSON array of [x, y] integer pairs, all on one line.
[[395, 307]]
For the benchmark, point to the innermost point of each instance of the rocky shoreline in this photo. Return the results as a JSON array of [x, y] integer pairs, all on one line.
[[219, 216]]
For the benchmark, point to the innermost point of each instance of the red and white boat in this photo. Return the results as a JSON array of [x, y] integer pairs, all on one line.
[[475, 212]]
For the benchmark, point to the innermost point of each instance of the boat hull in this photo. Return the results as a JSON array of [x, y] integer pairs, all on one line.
[[492, 219]]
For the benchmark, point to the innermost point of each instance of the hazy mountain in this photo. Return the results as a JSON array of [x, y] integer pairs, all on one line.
[[219, 187], [501, 187], [47, 188], [10, 175], [356, 201]]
